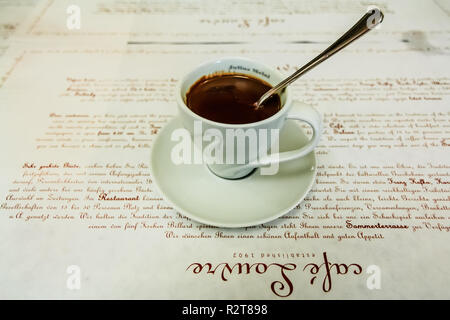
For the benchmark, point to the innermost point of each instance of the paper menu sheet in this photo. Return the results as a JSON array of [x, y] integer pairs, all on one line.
[[78, 118], [12, 13]]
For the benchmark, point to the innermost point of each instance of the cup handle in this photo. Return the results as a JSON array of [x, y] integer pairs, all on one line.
[[306, 114], [303, 113]]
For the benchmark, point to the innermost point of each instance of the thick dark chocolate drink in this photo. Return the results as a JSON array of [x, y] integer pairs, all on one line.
[[230, 98]]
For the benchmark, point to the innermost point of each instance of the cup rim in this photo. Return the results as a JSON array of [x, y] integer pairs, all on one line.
[[183, 105]]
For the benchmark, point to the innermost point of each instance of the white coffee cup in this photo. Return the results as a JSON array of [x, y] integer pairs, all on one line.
[[261, 158]]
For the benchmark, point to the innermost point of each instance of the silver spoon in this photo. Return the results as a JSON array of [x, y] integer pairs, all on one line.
[[370, 20]]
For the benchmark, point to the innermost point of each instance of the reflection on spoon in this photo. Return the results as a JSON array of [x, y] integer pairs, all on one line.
[[369, 21]]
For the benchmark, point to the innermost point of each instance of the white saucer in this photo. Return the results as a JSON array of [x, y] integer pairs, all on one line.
[[194, 191]]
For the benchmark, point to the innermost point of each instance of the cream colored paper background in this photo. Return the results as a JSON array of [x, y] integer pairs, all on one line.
[[160, 41]]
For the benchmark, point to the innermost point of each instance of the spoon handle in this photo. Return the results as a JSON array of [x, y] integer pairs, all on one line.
[[371, 19]]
